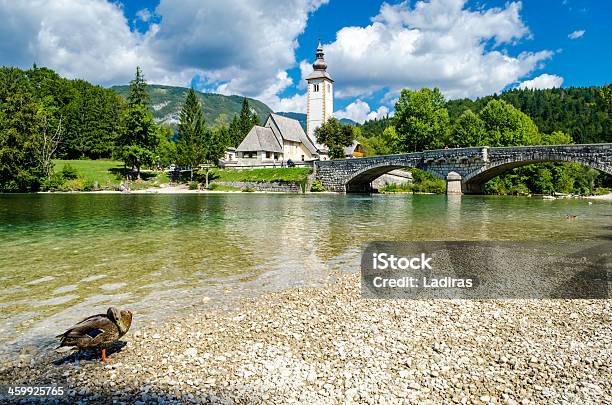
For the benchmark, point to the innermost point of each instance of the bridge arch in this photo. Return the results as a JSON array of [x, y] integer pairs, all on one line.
[[362, 180], [474, 182]]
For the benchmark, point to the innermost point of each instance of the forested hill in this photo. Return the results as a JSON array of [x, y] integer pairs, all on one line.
[[583, 112], [166, 103]]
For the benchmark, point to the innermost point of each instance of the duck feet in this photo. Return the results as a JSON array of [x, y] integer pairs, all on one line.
[[104, 358]]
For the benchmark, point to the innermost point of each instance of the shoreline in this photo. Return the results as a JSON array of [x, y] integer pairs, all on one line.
[[328, 345]]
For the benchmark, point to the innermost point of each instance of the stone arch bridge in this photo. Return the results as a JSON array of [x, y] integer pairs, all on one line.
[[466, 170]]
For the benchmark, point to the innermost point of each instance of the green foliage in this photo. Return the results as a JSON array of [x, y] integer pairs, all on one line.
[[317, 187], [468, 130], [165, 151], [191, 146], [69, 172], [139, 138], [583, 112], [248, 190], [335, 136], [421, 119], [222, 187], [19, 126], [557, 138], [387, 143], [504, 125], [194, 185], [137, 94], [241, 124], [422, 182]]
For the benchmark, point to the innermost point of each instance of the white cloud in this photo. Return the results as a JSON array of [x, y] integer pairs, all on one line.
[[234, 46], [544, 81], [438, 43], [360, 111], [576, 34]]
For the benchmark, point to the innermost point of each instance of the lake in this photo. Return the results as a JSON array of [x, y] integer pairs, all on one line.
[[66, 256]]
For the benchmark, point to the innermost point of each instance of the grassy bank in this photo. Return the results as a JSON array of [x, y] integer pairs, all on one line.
[[89, 175], [285, 174]]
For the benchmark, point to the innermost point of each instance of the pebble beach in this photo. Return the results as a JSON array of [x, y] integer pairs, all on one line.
[[327, 345]]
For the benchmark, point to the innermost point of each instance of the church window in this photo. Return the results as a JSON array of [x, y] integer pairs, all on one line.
[[328, 87], [316, 88], [268, 155]]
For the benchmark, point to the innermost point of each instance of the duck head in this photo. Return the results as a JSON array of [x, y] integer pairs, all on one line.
[[123, 318], [126, 320]]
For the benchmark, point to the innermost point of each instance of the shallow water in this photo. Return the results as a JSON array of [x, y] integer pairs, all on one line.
[[66, 256]]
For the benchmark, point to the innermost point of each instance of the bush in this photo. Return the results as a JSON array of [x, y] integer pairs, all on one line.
[[54, 183], [194, 185], [317, 187], [69, 172], [248, 189]]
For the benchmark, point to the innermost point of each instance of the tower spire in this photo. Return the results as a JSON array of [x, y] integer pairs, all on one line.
[[319, 63]]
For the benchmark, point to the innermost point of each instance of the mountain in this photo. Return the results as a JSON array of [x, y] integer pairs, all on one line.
[[167, 101], [301, 117]]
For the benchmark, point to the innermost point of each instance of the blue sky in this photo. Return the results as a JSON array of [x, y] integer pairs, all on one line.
[[263, 48]]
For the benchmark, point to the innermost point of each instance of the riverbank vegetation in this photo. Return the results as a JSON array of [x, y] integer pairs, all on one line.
[[425, 120], [46, 118], [281, 174], [422, 182]]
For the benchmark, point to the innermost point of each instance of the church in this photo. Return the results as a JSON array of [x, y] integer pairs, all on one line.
[[281, 139]]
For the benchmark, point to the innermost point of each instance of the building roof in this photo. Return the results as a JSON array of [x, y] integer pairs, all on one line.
[[260, 138], [289, 128], [319, 74], [348, 150], [319, 66]]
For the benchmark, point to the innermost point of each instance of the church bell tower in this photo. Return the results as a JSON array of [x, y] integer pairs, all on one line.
[[320, 105]]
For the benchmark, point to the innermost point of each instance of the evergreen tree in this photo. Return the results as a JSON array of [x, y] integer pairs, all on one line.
[[335, 136], [235, 134], [138, 90], [191, 145], [246, 120], [139, 138], [19, 168]]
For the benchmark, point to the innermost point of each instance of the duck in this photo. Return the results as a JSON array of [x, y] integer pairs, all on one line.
[[98, 331], [570, 217]]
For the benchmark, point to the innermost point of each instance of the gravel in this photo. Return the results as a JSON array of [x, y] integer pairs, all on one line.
[[328, 345]]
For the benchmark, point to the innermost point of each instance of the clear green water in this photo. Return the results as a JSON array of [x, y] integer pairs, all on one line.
[[65, 256]]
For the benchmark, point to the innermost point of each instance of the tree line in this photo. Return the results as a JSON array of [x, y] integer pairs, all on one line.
[[44, 117], [424, 120]]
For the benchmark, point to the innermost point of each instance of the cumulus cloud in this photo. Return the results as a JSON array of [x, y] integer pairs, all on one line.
[[576, 34], [360, 111], [234, 46], [438, 43], [247, 47], [544, 81]]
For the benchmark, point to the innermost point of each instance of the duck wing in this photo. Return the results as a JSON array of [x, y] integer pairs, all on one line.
[[90, 332]]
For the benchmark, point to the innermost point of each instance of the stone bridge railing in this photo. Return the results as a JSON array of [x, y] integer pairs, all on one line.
[[466, 170]]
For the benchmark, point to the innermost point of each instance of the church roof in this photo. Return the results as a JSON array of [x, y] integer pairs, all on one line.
[[289, 128], [260, 138]]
